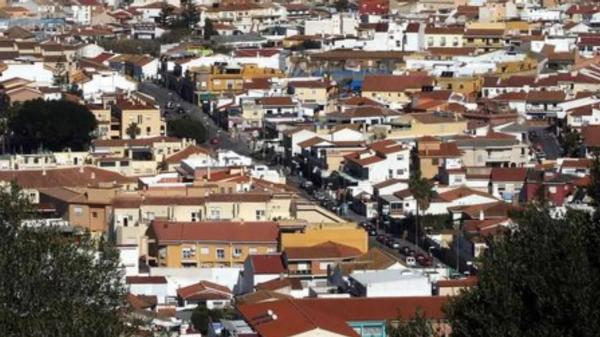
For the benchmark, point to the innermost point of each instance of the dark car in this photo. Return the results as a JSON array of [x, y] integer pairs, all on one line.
[[424, 261], [372, 231], [393, 244], [381, 238], [404, 250]]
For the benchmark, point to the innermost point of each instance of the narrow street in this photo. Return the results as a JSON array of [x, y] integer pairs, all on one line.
[[224, 139]]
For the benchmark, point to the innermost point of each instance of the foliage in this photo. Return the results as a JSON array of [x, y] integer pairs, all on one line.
[[133, 130], [190, 13], [570, 140], [594, 189], [187, 127], [209, 29], [341, 5], [53, 125], [55, 284], [541, 280], [418, 326], [422, 190], [201, 316], [60, 76], [165, 13], [131, 46]]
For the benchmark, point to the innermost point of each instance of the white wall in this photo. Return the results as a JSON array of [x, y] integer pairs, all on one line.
[[29, 71]]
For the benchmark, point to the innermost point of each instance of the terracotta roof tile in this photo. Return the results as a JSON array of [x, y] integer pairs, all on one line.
[[327, 250], [222, 231]]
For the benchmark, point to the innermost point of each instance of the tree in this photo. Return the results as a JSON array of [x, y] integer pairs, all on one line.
[[570, 142], [209, 29], [133, 130], [418, 326], [54, 283], [422, 190], [52, 125], [201, 316], [190, 13], [341, 5], [165, 14], [539, 280], [187, 127], [60, 76]]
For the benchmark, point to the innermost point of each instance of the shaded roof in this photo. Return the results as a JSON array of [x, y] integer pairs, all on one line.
[[462, 192], [395, 82], [509, 174], [260, 296], [374, 259], [295, 316], [134, 142], [189, 150], [220, 231], [60, 177], [267, 263], [591, 135], [326, 250], [279, 283], [204, 290], [145, 280]]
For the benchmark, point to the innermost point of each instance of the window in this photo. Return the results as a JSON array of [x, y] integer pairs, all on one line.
[[94, 214], [140, 119], [435, 161], [260, 214], [252, 250], [220, 253], [215, 213], [188, 252], [399, 172], [400, 157], [78, 210], [204, 251], [237, 252]]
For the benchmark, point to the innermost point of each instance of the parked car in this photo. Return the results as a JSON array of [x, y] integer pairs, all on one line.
[[410, 261], [404, 250], [372, 231], [424, 261], [393, 244], [381, 238]]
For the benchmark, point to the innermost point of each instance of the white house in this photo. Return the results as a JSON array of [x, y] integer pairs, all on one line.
[[103, 82], [390, 283], [381, 161], [149, 286], [32, 71]]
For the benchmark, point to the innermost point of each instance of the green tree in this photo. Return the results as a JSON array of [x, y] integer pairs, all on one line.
[[133, 130], [540, 280], [201, 316], [418, 326], [60, 76], [56, 284], [190, 13], [341, 5], [209, 29], [187, 127], [422, 190], [52, 125], [165, 14], [570, 140]]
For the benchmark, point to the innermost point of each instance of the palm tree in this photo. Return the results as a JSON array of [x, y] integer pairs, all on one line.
[[133, 130], [422, 190]]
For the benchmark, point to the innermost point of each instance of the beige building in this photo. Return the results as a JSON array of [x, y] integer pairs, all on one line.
[[394, 89], [411, 126], [140, 111]]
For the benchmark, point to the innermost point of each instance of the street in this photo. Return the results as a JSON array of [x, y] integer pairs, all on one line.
[[224, 139]]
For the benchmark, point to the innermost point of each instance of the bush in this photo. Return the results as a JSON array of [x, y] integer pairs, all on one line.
[[187, 127]]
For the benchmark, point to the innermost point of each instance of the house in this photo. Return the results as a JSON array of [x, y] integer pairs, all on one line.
[[591, 139], [382, 160], [364, 114], [337, 317], [315, 261], [209, 243], [443, 37], [493, 149], [317, 92], [209, 294], [583, 116], [258, 269], [437, 158], [552, 187], [374, 259], [139, 110], [311, 234], [149, 286], [415, 125], [394, 90], [507, 183], [389, 283]]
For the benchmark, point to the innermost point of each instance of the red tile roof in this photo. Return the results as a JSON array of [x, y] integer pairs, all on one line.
[[204, 290], [295, 316], [63, 177], [265, 52], [267, 264], [470, 281], [395, 83], [220, 231], [327, 250], [145, 280], [591, 136], [509, 174], [190, 150]]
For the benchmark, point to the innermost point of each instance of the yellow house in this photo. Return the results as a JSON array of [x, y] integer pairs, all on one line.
[[227, 79], [348, 234], [411, 126], [141, 112], [209, 244], [485, 38], [443, 37], [432, 153], [103, 118], [461, 84], [312, 91], [394, 89]]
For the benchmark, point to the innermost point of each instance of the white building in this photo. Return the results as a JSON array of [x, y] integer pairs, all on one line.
[[390, 283], [339, 24]]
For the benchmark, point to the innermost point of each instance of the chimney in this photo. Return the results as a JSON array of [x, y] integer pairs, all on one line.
[[481, 215], [93, 175], [81, 169], [44, 171]]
